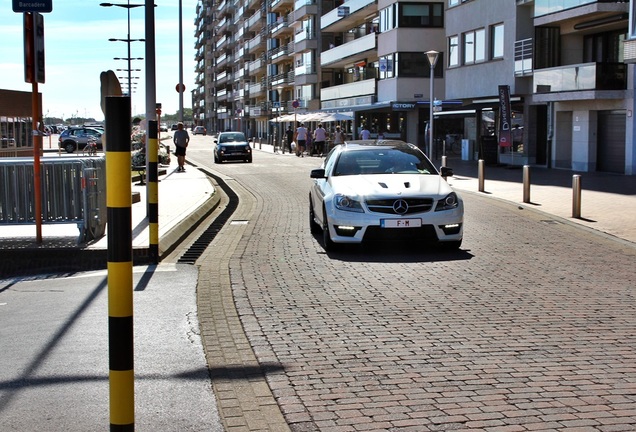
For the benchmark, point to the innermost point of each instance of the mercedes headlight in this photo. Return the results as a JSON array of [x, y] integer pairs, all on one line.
[[449, 202], [347, 203]]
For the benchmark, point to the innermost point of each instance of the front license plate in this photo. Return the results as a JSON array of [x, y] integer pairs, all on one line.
[[401, 223]]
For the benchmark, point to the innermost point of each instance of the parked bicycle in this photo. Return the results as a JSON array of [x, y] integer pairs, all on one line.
[[91, 146]]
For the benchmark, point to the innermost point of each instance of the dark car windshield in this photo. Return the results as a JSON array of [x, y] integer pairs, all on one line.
[[232, 137], [402, 160]]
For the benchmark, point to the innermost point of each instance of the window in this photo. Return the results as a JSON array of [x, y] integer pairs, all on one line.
[[386, 67], [453, 51], [452, 3], [497, 41], [386, 19], [416, 65], [474, 45], [420, 15]]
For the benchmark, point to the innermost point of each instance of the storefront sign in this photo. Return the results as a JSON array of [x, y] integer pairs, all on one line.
[[505, 117], [403, 106]]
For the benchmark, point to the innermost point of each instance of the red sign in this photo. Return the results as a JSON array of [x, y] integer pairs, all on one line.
[[295, 104], [180, 88]]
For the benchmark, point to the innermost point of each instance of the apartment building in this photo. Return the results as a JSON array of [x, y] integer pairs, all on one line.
[[561, 62]]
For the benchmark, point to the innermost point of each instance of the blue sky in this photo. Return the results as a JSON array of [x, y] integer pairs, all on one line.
[[77, 50]]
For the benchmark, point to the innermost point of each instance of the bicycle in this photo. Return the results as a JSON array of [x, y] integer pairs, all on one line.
[[91, 146]]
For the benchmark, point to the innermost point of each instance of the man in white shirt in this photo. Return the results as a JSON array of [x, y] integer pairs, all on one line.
[[320, 139], [301, 140], [365, 134]]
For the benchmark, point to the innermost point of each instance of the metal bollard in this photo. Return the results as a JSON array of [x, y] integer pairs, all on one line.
[[576, 196], [481, 173], [443, 161], [526, 183], [260, 143]]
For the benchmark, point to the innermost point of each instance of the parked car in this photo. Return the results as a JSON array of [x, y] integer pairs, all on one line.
[[163, 127], [384, 190], [199, 130], [232, 146], [174, 127], [75, 138]]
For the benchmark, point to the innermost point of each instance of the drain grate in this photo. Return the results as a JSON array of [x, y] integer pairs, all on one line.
[[197, 248], [551, 222]]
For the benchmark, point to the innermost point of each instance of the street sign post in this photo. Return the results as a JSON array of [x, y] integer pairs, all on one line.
[[42, 6]]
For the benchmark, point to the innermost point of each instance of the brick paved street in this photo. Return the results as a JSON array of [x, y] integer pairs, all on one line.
[[529, 327]]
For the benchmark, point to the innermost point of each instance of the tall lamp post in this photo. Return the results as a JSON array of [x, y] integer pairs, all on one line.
[[128, 40], [432, 59]]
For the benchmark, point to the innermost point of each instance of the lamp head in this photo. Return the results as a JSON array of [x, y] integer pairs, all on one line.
[[432, 57]]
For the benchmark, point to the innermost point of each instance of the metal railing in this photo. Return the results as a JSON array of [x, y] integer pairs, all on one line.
[[73, 190]]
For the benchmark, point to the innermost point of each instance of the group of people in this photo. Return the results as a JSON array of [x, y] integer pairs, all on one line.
[[313, 142]]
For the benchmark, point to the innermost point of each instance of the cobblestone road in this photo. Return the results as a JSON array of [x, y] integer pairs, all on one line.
[[531, 326]]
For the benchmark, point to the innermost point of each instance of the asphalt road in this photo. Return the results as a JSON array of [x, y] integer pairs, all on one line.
[[530, 326]]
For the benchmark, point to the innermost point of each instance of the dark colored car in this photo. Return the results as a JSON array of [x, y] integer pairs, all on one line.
[[75, 138], [232, 146]]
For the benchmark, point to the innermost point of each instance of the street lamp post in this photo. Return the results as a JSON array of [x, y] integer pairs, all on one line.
[[128, 40], [432, 59]]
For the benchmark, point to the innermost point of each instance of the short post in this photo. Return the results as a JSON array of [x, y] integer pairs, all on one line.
[[481, 174], [576, 196], [443, 161], [526, 183]]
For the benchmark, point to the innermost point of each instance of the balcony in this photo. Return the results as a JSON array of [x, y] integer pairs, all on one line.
[[545, 7], [282, 80], [340, 55], [276, 5], [358, 10], [351, 90], [579, 77], [280, 27], [278, 54], [256, 65], [255, 22], [304, 8], [523, 57], [255, 42]]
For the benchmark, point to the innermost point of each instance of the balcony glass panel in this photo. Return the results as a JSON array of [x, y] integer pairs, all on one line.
[[349, 49], [588, 76], [545, 7]]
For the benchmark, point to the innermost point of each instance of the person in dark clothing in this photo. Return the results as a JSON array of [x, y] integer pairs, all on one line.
[[289, 133]]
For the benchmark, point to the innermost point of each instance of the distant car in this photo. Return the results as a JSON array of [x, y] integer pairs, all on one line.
[[199, 130], [174, 127], [75, 138], [385, 190], [163, 127], [232, 146]]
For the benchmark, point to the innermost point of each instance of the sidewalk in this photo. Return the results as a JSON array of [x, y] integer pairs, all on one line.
[[184, 198], [608, 201]]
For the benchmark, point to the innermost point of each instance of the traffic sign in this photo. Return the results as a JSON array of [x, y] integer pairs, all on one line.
[[295, 104], [180, 88], [32, 6]]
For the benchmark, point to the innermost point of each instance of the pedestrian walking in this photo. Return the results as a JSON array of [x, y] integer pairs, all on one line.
[[301, 139], [289, 133], [365, 134], [320, 139], [181, 139], [338, 136]]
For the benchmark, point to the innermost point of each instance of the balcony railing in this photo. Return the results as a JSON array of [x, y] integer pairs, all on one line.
[[523, 56], [584, 76], [360, 45]]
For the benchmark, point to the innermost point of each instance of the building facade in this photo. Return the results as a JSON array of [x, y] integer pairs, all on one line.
[[568, 87]]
